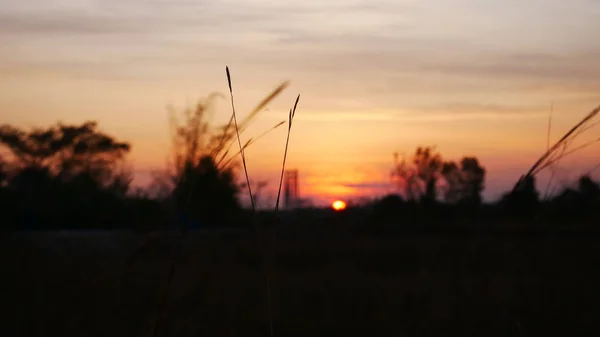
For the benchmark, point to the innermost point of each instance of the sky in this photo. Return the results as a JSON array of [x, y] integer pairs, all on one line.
[[471, 77]]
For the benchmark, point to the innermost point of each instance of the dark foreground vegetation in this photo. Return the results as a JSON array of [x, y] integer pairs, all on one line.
[[324, 283]]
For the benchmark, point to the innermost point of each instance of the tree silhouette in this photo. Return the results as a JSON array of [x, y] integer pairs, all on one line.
[[3, 172], [588, 194], [464, 184], [66, 152], [419, 179], [428, 164], [403, 176], [200, 181], [578, 203], [65, 170], [206, 192], [524, 199], [4, 195], [589, 189], [474, 178], [427, 174], [454, 180]]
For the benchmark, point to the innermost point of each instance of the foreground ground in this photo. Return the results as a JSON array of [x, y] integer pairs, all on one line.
[[88, 284]]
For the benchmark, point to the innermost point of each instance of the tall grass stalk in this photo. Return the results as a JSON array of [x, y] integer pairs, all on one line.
[[237, 131], [269, 267], [546, 159], [565, 154], [241, 152], [248, 143], [225, 140], [549, 126], [552, 169], [290, 120], [196, 145]]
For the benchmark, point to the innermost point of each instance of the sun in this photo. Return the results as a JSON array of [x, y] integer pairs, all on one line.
[[338, 205]]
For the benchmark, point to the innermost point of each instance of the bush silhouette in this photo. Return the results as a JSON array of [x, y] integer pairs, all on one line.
[[64, 175]]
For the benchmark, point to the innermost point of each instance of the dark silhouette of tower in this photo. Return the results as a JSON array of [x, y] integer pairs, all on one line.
[[290, 188]]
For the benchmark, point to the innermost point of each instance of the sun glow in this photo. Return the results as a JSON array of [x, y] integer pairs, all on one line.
[[338, 205]]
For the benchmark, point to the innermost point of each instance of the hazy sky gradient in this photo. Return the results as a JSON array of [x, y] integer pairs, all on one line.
[[474, 77]]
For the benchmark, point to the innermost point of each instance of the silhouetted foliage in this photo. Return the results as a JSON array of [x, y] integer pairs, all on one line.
[[200, 182], [73, 177], [3, 173], [474, 178], [589, 191], [454, 182], [464, 184], [428, 174], [207, 193], [524, 199], [67, 152], [391, 201], [64, 172], [581, 204], [418, 179], [388, 207]]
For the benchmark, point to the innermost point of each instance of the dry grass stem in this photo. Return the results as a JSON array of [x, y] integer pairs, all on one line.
[[546, 159]]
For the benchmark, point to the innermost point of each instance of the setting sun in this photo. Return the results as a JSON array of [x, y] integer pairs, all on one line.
[[338, 205]]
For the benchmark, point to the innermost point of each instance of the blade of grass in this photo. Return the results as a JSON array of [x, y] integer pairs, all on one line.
[[262, 104], [290, 119], [254, 140], [224, 142], [268, 278], [239, 140], [549, 163], [549, 127], [178, 248], [563, 139], [548, 149]]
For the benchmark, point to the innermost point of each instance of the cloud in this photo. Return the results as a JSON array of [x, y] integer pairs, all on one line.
[[368, 185], [63, 24], [442, 112], [579, 66], [345, 54]]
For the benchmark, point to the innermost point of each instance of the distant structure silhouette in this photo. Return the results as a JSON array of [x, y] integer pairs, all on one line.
[[290, 189]]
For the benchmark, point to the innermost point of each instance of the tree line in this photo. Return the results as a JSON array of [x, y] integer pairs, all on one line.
[[75, 176], [432, 188], [427, 175]]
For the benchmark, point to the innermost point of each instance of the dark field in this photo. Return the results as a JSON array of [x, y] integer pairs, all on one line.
[[324, 284]]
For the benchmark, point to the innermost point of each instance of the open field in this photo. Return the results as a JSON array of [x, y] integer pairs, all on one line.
[[83, 284]]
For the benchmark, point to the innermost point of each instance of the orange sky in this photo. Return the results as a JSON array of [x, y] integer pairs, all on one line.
[[472, 77]]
